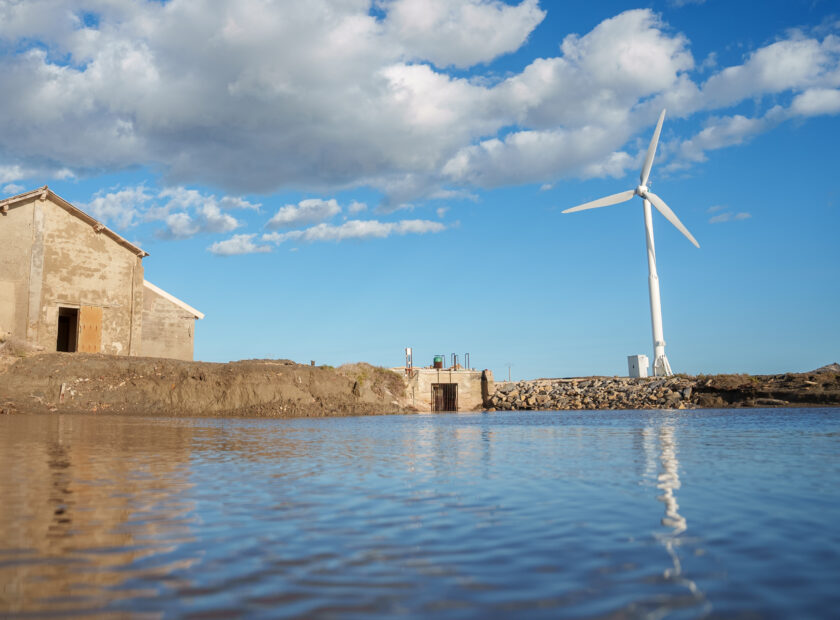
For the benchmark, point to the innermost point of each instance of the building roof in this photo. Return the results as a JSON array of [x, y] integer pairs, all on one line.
[[44, 192], [173, 299]]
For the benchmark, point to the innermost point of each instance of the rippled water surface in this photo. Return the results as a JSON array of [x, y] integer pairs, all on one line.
[[515, 514]]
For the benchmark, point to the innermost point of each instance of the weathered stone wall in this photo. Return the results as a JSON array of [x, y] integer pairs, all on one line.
[[168, 329], [15, 263], [83, 267], [488, 385]]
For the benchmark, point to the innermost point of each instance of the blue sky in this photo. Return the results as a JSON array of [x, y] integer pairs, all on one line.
[[339, 179]]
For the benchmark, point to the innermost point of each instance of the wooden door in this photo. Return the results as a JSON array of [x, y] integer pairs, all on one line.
[[90, 329]]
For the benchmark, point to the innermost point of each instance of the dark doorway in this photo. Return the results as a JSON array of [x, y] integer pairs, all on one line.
[[68, 327], [444, 397]]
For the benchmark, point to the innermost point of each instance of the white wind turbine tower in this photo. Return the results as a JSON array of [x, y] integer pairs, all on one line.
[[661, 367]]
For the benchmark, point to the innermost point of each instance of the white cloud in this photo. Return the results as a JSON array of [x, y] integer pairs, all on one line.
[[307, 211], [215, 221], [793, 63], [453, 194], [187, 212], [180, 226], [729, 217], [710, 62], [459, 32], [238, 244], [123, 207], [207, 218], [624, 59], [441, 211], [328, 95], [417, 227], [182, 197], [356, 207], [816, 101], [11, 173], [529, 156], [236, 202], [723, 132], [645, 60], [254, 97], [184, 212], [12, 188], [600, 77], [14, 173], [356, 229]]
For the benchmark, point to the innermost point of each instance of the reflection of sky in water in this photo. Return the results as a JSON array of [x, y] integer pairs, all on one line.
[[522, 513]]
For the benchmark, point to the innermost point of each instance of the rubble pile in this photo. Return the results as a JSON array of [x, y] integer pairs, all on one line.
[[594, 393], [820, 387]]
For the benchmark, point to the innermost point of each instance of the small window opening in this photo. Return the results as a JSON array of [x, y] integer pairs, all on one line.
[[68, 327]]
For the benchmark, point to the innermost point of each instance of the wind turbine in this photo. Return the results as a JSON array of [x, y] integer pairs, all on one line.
[[661, 367]]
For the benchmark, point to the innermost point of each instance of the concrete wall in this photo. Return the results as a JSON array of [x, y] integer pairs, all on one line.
[[74, 265], [419, 387], [168, 329], [15, 264]]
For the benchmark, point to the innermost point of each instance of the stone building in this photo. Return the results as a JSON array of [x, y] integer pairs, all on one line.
[[69, 283], [168, 325]]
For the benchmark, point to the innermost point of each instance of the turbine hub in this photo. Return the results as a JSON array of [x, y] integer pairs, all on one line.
[[641, 190]]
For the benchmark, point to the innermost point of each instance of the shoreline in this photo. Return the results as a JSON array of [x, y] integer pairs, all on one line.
[[819, 388], [94, 383]]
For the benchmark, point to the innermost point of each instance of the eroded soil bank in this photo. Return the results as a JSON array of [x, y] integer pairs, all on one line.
[[78, 382], [85, 383]]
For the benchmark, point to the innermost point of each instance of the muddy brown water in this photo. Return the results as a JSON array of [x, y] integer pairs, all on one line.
[[721, 513]]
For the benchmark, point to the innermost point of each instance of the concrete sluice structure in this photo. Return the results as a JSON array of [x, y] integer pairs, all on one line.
[[447, 389]]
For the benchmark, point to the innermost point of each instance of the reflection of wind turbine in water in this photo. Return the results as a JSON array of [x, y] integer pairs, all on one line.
[[668, 481]]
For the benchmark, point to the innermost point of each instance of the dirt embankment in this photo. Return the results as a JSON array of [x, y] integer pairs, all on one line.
[[77, 382], [84, 383], [818, 388]]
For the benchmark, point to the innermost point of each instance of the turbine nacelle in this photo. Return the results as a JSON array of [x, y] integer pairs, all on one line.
[[642, 191]]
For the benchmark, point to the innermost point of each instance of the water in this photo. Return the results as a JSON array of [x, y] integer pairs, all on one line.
[[509, 514]]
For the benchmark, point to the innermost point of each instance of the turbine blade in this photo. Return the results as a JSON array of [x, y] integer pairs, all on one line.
[[665, 210], [651, 150], [604, 202]]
